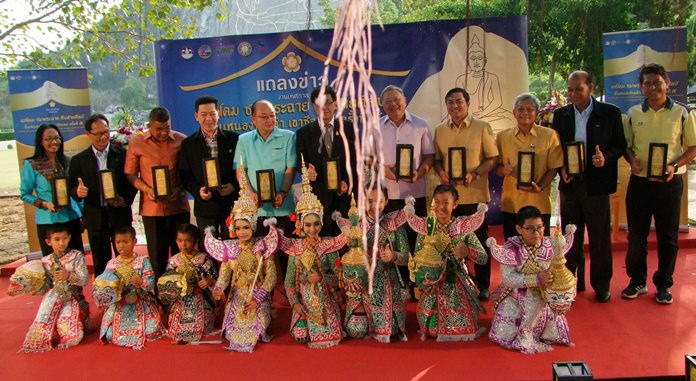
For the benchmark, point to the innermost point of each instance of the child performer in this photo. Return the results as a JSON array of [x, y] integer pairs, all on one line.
[[448, 308], [381, 314], [63, 310], [523, 319], [134, 319], [192, 315], [248, 269], [312, 276]]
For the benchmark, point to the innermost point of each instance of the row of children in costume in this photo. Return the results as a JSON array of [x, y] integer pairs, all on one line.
[[448, 308]]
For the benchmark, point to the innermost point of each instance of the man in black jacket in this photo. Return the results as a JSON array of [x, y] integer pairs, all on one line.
[[585, 197], [211, 206], [322, 140], [102, 213]]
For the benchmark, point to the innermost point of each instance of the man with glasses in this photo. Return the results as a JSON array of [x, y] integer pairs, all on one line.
[[659, 119], [320, 141], [527, 137], [462, 130], [210, 206], [100, 216], [585, 198]]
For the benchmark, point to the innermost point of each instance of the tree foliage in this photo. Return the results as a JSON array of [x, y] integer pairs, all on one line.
[[563, 35], [92, 30]]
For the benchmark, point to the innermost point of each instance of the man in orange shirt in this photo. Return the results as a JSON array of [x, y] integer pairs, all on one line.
[[158, 147]]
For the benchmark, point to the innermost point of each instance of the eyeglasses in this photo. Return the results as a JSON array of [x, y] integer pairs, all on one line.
[[528, 110], [265, 117], [532, 230], [457, 102], [52, 139], [99, 134], [655, 83]]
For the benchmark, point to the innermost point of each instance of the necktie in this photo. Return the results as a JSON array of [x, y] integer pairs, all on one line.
[[328, 140]]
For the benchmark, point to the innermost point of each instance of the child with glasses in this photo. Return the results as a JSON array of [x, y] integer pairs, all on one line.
[[523, 319]]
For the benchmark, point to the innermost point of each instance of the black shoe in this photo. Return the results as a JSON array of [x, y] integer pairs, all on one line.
[[603, 296], [632, 291], [484, 295], [663, 296]]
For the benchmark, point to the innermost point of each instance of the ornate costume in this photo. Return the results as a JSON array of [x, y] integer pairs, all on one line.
[[134, 319], [249, 270], [321, 327], [448, 308], [524, 319], [63, 310], [191, 315], [385, 308]]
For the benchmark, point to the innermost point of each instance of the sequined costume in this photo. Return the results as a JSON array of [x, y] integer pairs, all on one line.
[[248, 269], [134, 319], [322, 327], [523, 320], [448, 308], [385, 308], [63, 309], [192, 316]]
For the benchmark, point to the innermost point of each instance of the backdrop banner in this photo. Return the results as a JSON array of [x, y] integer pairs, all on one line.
[[626, 52], [485, 56], [48, 96]]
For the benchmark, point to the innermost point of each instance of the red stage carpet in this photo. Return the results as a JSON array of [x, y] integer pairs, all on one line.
[[621, 339]]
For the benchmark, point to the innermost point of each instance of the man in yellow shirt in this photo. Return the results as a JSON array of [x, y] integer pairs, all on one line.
[[527, 137], [657, 120], [462, 130]]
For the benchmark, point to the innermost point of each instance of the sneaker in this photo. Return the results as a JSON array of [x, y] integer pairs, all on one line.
[[632, 291], [663, 296]]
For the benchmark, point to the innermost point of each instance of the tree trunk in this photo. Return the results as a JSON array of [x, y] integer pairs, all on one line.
[[552, 73]]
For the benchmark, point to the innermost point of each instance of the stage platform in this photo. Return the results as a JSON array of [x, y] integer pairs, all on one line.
[[622, 339]]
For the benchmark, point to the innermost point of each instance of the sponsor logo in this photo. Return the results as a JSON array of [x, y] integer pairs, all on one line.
[[204, 51], [186, 52], [244, 49]]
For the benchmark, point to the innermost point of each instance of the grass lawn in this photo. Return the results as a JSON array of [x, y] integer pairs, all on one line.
[[9, 170]]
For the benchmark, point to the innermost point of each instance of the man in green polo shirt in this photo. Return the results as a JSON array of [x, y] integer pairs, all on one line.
[[657, 120]]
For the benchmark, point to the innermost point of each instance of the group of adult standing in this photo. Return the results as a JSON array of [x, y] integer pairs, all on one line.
[[584, 198]]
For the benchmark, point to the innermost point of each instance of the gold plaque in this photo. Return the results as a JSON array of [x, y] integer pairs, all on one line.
[[657, 161], [333, 175], [525, 168], [160, 180], [404, 161], [457, 163], [265, 184], [108, 185], [60, 192], [211, 169], [574, 158]]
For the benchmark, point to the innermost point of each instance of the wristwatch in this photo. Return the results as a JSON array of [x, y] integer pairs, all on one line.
[[676, 166]]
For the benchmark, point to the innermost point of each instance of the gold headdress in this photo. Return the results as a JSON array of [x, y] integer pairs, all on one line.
[[562, 291], [308, 202], [354, 256], [244, 208]]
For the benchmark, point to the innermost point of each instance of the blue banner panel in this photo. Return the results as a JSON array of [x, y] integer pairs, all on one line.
[[48, 96], [285, 67], [626, 52]]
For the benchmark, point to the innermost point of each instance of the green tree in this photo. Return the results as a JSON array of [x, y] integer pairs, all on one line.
[[94, 29], [133, 95]]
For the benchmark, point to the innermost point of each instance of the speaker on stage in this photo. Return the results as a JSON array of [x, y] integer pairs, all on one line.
[[571, 371]]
